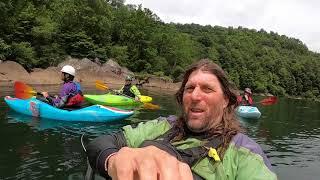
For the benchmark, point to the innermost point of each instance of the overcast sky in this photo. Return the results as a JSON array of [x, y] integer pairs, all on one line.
[[293, 18]]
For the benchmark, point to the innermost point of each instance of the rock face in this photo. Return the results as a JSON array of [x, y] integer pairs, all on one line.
[[86, 71], [79, 64], [50, 75], [113, 66], [155, 81], [12, 71]]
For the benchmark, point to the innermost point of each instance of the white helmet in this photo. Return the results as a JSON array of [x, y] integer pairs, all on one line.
[[69, 70], [248, 90]]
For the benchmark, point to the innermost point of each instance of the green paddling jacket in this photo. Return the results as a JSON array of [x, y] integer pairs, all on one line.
[[130, 90], [243, 160]]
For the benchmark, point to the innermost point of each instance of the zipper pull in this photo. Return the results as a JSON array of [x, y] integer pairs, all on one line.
[[213, 154]]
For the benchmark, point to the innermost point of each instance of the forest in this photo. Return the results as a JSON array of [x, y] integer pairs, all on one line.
[[41, 33]]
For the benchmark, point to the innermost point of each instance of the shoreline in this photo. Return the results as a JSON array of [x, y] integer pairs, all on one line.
[[168, 88], [87, 73]]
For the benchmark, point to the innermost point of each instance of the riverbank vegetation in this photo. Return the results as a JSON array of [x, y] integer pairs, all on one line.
[[39, 33]]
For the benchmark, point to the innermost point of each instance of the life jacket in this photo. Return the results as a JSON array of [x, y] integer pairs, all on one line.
[[242, 100], [78, 87], [75, 99], [189, 156], [127, 90]]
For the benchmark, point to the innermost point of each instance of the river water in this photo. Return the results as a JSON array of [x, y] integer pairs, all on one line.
[[31, 148]]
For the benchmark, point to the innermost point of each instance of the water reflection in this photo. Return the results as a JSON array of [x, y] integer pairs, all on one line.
[[289, 133], [73, 128]]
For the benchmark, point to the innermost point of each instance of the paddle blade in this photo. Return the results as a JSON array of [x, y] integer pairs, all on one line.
[[151, 106], [100, 85], [269, 101], [23, 91]]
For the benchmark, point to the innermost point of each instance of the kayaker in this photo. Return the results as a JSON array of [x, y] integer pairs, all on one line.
[[246, 99], [129, 89], [205, 142], [70, 92]]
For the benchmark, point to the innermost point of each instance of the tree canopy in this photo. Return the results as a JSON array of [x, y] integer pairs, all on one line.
[[40, 33]]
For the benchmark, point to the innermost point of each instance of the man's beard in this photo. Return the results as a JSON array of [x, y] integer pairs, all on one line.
[[208, 123]]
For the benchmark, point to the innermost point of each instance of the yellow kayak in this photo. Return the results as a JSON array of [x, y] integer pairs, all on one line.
[[145, 99]]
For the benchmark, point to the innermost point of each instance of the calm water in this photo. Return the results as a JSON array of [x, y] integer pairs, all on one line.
[[289, 133]]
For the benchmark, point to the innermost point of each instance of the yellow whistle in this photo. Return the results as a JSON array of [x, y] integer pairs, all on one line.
[[213, 154]]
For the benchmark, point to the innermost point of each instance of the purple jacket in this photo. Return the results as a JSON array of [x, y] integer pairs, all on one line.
[[67, 89]]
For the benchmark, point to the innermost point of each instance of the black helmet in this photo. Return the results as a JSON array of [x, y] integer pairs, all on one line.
[[129, 78]]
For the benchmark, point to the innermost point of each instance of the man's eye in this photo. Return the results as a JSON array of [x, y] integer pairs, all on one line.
[[188, 88], [208, 89]]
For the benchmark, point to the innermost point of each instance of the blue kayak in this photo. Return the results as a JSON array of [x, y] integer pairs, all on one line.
[[94, 113], [249, 112]]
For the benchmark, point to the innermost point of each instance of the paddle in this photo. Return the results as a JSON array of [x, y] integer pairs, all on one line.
[[23, 91], [268, 101], [100, 85]]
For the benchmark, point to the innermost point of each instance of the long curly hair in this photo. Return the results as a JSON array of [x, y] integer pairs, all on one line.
[[229, 125]]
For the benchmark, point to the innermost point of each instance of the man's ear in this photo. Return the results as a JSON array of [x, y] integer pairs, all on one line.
[[226, 102]]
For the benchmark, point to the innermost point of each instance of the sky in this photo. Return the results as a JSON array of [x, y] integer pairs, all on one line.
[[293, 18]]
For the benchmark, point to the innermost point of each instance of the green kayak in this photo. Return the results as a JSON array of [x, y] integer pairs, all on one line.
[[115, 100]]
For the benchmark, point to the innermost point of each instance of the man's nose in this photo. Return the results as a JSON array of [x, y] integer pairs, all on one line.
[[196, 94]]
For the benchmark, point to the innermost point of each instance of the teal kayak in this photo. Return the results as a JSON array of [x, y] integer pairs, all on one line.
[[94, 113], [249, 112], [115, 100]]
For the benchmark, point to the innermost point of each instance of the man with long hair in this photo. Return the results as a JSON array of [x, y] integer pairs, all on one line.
[[205, 142]]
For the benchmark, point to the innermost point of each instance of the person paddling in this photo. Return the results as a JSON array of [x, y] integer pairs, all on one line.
[[70, 92], [204, 142], [246, 99], [129, 89]]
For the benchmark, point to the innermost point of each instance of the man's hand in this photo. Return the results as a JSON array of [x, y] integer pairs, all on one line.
[[45, 94], [246, 97], [114, 91], [146, 163], [136, 98]]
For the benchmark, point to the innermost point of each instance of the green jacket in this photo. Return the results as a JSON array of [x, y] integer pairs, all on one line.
[[132, 92], [243, 160]]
